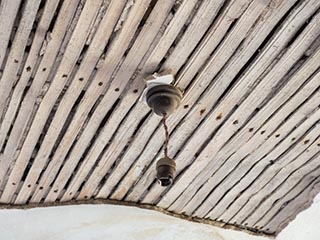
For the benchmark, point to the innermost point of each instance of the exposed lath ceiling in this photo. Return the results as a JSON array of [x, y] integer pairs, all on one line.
[[246, 138]]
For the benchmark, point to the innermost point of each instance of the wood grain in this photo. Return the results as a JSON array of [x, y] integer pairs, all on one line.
[[245, 137]]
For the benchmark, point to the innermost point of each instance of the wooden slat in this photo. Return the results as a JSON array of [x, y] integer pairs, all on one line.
[[150, 170], [71, 55], [81, 78], [235, 152], [234, 10], [29, 68], [298, 133], [299, 186], [288, 176], [225, 76], [156, 142], [14, 60], [129, 99], [129, 158], [27, 105], [138, 50], [245, 138], [125, 164], [242, 113], [250, 44], [8, 12], [292, 204], [259, 169], [90, 98], [196, 29]]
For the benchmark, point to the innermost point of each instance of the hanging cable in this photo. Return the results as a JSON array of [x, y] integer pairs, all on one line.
[[166, 143]]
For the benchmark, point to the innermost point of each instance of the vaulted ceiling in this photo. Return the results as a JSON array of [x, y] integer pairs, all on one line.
[[245, 138]]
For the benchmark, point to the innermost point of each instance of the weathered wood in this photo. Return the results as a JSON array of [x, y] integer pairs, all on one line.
[[196, 29], [71, 55], [138, 50], [245, 142], [128, 162], [155, 143], [14, 60], [150, 66], [8, 13], [245, 138], [241, 114], [286, 178], [29, 68], [211, 94], [296, 119], [256, 186], [27, 105], [293, 204], [251, 43], [102, 78], [81, 78]]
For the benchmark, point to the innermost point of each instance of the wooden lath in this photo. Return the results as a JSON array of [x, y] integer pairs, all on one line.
[[245, 139]]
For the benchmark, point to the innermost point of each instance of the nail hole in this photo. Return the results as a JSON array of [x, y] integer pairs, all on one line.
[[64, 75], [70, 193], [81, 79], [28, 69], [293, 139], [278, 135], [219, 116], [13, 183], [55, 191], [202, 111], [16, 61], [29, 186], [271, 162], [262, 132], [135, 91], [100, 83], [117, 89], [306, 141], [44, 69], [185, 106], [251, 129], [318, 144], [85, 197], [40, 188], [235, 122]]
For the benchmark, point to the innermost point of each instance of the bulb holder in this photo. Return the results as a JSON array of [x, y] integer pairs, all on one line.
[[166, 169], [164, 99]]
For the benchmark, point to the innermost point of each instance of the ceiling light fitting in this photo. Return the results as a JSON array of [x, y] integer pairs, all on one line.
[[163, 98]]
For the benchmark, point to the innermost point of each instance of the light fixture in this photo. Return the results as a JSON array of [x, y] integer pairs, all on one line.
[[163, 99]]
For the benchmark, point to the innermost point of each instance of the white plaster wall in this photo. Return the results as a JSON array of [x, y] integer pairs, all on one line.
[[93, 222]]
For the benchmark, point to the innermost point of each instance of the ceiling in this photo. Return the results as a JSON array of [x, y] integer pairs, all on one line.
[[245, 138]]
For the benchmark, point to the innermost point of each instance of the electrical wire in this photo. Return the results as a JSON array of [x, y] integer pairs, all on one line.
[[166, 143]]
